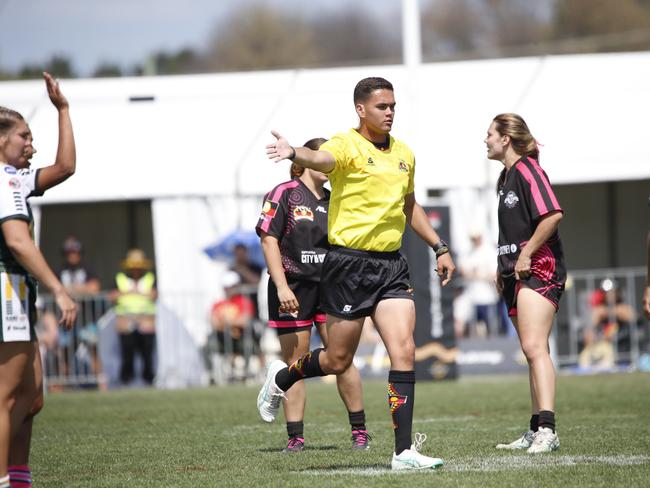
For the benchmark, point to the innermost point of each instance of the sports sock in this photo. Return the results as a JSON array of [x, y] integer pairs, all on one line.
[[295, 429], [20, 476], [305, 367], [547, 419], [357, 420], [4, 482], [401, 394], [534, 422]]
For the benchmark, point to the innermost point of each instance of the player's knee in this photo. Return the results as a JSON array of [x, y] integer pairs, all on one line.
[[404, 354], [533, 349], [340, 364]]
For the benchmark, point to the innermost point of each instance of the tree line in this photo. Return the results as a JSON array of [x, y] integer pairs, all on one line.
[[256, 37]]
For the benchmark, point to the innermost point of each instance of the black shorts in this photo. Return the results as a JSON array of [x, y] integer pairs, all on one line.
[[308, 296], [354, 281], [550, 290]]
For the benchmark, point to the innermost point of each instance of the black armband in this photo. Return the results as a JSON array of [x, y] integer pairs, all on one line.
[[440, 248], [293, 153]]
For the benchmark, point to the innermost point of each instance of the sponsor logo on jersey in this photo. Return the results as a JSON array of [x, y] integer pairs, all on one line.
[[10, 170], [507, 249], [269, 208], [321, 209], [14, 183], [511, 199], [311, 257], [403, 167], [371, 162], [303, 212]]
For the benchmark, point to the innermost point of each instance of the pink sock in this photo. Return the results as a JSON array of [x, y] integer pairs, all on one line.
[[20, 476]]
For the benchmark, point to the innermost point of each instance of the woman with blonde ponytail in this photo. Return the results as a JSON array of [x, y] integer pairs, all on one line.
[[531, 272]]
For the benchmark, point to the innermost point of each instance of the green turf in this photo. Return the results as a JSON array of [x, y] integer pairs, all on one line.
[[213, 437]]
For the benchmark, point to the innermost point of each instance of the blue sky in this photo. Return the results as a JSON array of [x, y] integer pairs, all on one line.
[[125, 31]]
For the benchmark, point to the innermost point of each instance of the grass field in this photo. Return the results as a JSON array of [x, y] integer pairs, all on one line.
[[213, 437]]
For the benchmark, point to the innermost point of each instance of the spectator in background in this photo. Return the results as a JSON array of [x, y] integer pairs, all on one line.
[[249, 273], [82, 283], [230, 318], [479, 273], [609, 331], [78, 278], [135, 308]]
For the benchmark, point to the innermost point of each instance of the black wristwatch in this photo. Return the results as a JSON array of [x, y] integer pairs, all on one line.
[[440, 248]]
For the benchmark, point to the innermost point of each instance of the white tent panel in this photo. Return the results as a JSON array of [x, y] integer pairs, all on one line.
[[205, 134]]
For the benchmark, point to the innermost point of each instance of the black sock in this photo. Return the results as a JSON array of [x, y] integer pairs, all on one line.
[[401, 394], [547, 419], [534, 422], [295, 429], [357, 420], [305, 367]]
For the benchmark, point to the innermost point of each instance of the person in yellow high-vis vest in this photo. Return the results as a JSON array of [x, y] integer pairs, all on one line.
[[135, 308]]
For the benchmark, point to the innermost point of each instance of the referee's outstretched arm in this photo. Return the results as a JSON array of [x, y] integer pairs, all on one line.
[[322, 161]]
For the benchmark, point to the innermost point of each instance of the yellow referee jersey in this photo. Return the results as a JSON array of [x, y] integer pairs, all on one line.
[[368, 188]]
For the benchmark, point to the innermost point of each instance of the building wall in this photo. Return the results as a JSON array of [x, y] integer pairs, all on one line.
[[605, 224], [107, 230]]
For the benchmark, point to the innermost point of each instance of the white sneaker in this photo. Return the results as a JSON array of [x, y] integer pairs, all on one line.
[[412, 459], [524, 442], [545, 441], [268, 401]]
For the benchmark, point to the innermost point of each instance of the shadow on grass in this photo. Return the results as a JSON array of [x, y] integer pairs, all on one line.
[[347, 468], [309, 448]]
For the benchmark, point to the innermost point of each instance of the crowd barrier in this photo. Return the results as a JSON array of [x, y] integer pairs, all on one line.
[[88, 355]]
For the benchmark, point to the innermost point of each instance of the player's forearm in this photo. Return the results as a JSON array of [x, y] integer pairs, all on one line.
[[318, 160], [419, 222], [273, 260], [545, 229], [66, 155]]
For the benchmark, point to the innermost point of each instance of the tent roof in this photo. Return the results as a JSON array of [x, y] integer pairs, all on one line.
[[205, 134]]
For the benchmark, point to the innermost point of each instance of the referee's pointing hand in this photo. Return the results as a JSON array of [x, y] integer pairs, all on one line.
[[280, 149]]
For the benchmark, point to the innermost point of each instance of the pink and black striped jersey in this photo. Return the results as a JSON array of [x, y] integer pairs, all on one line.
[[526, 196], [298, 219]]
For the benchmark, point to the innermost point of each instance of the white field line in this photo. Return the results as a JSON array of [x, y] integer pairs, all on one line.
[[506, 463]]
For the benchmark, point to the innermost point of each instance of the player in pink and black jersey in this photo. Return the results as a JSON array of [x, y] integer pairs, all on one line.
[[531, 272], [293, 230]]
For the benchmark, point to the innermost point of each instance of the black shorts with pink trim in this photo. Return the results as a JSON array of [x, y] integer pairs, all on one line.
[[308, 296], [550, 290]]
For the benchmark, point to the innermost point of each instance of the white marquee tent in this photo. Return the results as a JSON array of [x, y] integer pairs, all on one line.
[[194, 145]]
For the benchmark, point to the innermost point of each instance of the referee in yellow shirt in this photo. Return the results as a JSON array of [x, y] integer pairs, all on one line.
[[372, 199]]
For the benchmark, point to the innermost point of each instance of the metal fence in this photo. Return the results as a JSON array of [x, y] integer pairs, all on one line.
[[75, 358], [71, 357], [601, 310]]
